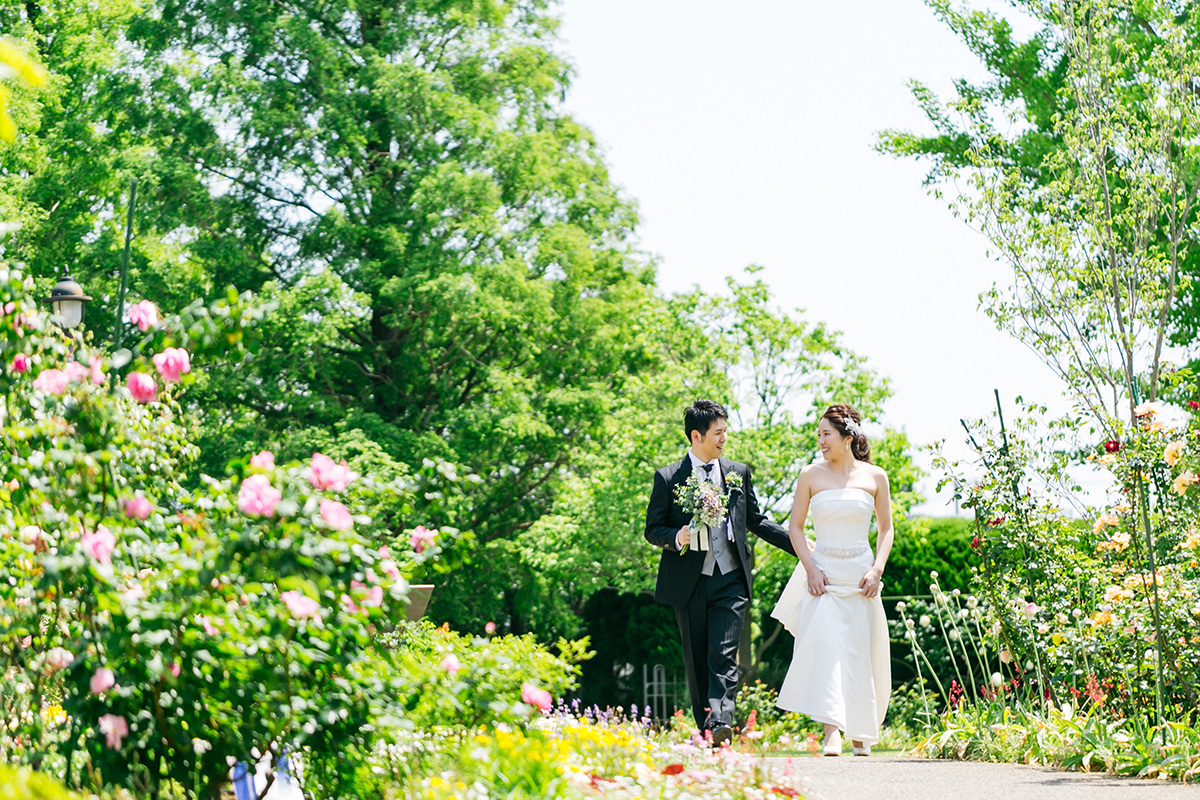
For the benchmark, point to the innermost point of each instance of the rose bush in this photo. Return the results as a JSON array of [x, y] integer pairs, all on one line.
[[1088, 611], [157, 624]]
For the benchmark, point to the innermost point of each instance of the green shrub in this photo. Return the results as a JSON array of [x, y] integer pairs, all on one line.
[[25, 784], [931, 544]]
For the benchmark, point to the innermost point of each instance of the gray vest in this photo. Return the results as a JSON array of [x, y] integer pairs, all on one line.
[[722, 552]]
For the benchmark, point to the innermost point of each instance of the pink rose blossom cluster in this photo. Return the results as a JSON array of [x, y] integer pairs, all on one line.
[[534, 696], [55, 381], [99, 544], [300, 605], [20, 363], [144, 314], [421, 538], [258, 497], [137, 508], [114, 729], [103, 680], [171, 363], [336, 515], [325, 474], [265, 460], [141, 387], [58, 658]]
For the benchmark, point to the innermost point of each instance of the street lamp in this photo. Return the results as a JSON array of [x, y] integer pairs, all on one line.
[[67, 298]]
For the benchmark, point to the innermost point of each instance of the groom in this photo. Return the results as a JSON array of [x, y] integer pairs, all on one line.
[[709, 590]]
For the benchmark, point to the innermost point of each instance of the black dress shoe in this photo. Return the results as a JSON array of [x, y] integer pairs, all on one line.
[[721, 735]]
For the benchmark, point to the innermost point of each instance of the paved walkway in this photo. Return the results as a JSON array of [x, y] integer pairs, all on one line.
[[883, 778]]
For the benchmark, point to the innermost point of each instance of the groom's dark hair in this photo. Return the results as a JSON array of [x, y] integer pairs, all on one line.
[[701, 415]]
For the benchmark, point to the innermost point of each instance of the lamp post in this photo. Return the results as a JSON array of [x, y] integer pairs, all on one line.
[[67, 299]]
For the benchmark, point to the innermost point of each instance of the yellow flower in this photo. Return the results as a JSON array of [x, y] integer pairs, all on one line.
[[1122, 508], [1108, 459], [1118, 543], [1156, 427], [1182, 483], [1192, 541], [1173, 452], [1105, 520], [1115, 593]]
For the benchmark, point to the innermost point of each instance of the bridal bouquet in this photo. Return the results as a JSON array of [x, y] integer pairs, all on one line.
[[706, 502]]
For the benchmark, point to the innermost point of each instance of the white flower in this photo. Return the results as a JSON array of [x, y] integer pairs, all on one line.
[[997, 679], [200, 746]]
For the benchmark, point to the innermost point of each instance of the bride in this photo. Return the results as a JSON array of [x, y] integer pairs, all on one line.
[[841, 667]]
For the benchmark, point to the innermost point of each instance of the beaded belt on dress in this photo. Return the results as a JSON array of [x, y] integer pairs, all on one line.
[[843, 552]]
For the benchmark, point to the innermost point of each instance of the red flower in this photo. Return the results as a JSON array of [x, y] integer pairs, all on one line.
[[976, 543], [1112, 446], [996, 521], [672, 769], [1193, 405]]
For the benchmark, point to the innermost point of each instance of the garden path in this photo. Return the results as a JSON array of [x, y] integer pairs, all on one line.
[[883, 778]]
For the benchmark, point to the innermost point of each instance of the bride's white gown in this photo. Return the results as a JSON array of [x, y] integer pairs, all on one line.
[[841, 671]]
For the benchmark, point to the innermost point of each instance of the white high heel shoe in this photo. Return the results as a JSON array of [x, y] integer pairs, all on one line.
[[833, 745], [865, 750]]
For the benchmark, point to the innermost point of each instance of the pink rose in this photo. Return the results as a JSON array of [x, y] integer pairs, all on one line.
[[421, 537], [336, 515], [534, 696], [175, 670], [137, 508], [171, 363], [264, 460], [96, 370], [450, 664], [58, 658], [99, 544], [10, 307], [300, 605], [20, 363], [328, 475], [51, 381], [114, 729], [374, 598], [490, 628], [141, 386], [390, 569], [258, 497], [143, 314], [351, 606], [76, 372], [103, 680], [208, 626]]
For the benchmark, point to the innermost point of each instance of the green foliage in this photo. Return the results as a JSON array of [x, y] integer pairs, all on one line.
[[1065, 738], [924, 545], [451, 680], [22, 783]]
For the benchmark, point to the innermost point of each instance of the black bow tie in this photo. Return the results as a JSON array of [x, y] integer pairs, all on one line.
[[707, 469]]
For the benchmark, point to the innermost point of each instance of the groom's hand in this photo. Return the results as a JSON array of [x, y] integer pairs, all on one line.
[[683, 538]]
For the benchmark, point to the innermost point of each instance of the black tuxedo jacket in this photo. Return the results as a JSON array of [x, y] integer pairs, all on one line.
[[678, 573]]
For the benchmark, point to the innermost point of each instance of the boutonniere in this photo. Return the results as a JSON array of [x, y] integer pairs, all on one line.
[[733, 482]]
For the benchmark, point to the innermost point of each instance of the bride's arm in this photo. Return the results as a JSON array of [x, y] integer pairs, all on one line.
[[816, 578], [883, 541]]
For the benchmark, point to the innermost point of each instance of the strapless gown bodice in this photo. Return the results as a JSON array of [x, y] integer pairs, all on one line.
[[842, 519]]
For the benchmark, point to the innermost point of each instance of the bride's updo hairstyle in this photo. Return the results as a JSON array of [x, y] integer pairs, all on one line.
[[847, 422]]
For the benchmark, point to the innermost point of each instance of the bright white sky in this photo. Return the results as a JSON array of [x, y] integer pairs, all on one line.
[[746, 137]]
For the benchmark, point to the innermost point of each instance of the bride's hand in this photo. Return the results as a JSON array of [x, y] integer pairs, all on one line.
[[871, 582], [817, 582]]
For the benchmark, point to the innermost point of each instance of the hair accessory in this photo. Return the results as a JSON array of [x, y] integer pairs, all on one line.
[[852, 427]]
